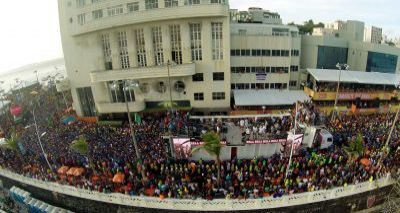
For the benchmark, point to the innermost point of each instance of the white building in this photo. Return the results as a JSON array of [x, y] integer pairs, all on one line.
[[373, 35], [255, 15], [106, 41], [343, 43]]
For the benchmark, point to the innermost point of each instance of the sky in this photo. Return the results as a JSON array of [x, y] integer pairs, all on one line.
[[30, 29]]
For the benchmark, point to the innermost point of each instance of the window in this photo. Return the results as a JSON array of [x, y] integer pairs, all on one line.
[[171, 3], [217, 42], [266, 86], [191, 2], [199, 96], [260, 86], [105, 38], [179, 86], [294, 68], [293, 83], [123, 50], [86, 101], [96, 1], [285, 53], [157, 45], [82, 18], [295, 52], [151, 4], [134, 6], [198, 77], [218, 95], [284, 86], [266, 52], [141, 49], [116, 90], [328, 57], [116, 10], [276, 53], [218, 76], [97, 14], [381, 62], [176, 46], [80, 3], [195, 42], [217, 1]]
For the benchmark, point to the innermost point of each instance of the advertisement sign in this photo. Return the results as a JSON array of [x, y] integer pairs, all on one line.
[[330, 96], [295, 141]]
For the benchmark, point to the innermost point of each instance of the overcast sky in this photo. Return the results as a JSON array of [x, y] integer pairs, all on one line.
[[30, 31]]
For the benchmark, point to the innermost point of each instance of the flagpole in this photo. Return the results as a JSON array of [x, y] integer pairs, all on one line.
[[291, 148]]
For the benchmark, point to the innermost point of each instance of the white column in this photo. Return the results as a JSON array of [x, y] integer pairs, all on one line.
[[148, 37], [114, 50], [132, 49], [186, 54], [166, 39]]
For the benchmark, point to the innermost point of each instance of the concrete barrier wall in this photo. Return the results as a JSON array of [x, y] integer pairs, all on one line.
[[80, 200]]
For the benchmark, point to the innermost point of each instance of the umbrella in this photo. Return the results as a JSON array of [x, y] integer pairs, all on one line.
[[365, 162], [118, 178], [63, 170], [79, 171], [71, 171]]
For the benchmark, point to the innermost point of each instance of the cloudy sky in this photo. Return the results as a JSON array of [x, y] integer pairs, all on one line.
[[30, 31]]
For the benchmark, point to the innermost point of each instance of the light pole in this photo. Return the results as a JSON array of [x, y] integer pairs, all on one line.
[[125, 89], [170, 86], [39, 137], [291, 147], [340, 67]]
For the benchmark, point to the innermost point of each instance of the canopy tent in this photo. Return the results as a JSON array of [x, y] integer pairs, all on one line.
[[360, 77], [268, 97]]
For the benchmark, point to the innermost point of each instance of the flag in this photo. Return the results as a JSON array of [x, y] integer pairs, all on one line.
[[353, 108], [261, 76], [138, 119]]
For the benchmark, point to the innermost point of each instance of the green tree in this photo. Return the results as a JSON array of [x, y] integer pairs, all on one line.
[[212, 145], [355, 147], [12, 142], [80, 145]]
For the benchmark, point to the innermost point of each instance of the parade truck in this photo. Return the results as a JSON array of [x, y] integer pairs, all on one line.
[[316, 137]]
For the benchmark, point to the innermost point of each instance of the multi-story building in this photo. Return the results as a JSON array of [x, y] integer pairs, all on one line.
[[173, 49], [373, 35], [343, 43], [255, 15]]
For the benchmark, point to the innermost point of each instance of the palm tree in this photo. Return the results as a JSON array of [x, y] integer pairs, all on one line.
[[355, 148], [80, 145], [212, 145], [12, 142]]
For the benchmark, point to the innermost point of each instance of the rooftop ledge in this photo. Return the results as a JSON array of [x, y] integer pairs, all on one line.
[[143, 72], [151, 15], [200, 204]]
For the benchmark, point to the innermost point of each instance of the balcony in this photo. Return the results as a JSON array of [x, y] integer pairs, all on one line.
[[144, 73], [331, 96], [136, 106], [150, 15]]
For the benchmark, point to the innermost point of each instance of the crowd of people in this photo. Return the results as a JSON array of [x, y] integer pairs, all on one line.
[[112, 152]]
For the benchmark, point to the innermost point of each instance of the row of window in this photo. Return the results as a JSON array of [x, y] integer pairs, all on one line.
[[217, 76], [264, 69], [168, 3], [264, 52], [215, 96], [247, 86], [157, 40], [133, 7]]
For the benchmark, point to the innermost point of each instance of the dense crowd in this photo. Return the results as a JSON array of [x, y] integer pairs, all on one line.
[[111, 151]]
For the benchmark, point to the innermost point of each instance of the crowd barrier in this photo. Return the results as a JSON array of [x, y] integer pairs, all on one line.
[[204, 205]]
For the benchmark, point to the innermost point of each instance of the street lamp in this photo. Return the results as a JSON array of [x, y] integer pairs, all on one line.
[[340, 68], [126, 86], [39, 137], [170, 86]]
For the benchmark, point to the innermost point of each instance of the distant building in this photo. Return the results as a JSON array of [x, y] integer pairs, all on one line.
[[373, 35], [255, 15], [343, 42]]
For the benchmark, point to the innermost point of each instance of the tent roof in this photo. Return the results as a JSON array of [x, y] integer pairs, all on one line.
[[268, 97], [360, 77]]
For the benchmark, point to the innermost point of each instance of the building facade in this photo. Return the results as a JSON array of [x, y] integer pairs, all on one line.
[[373, 35], [170, 51], [342, 42]]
